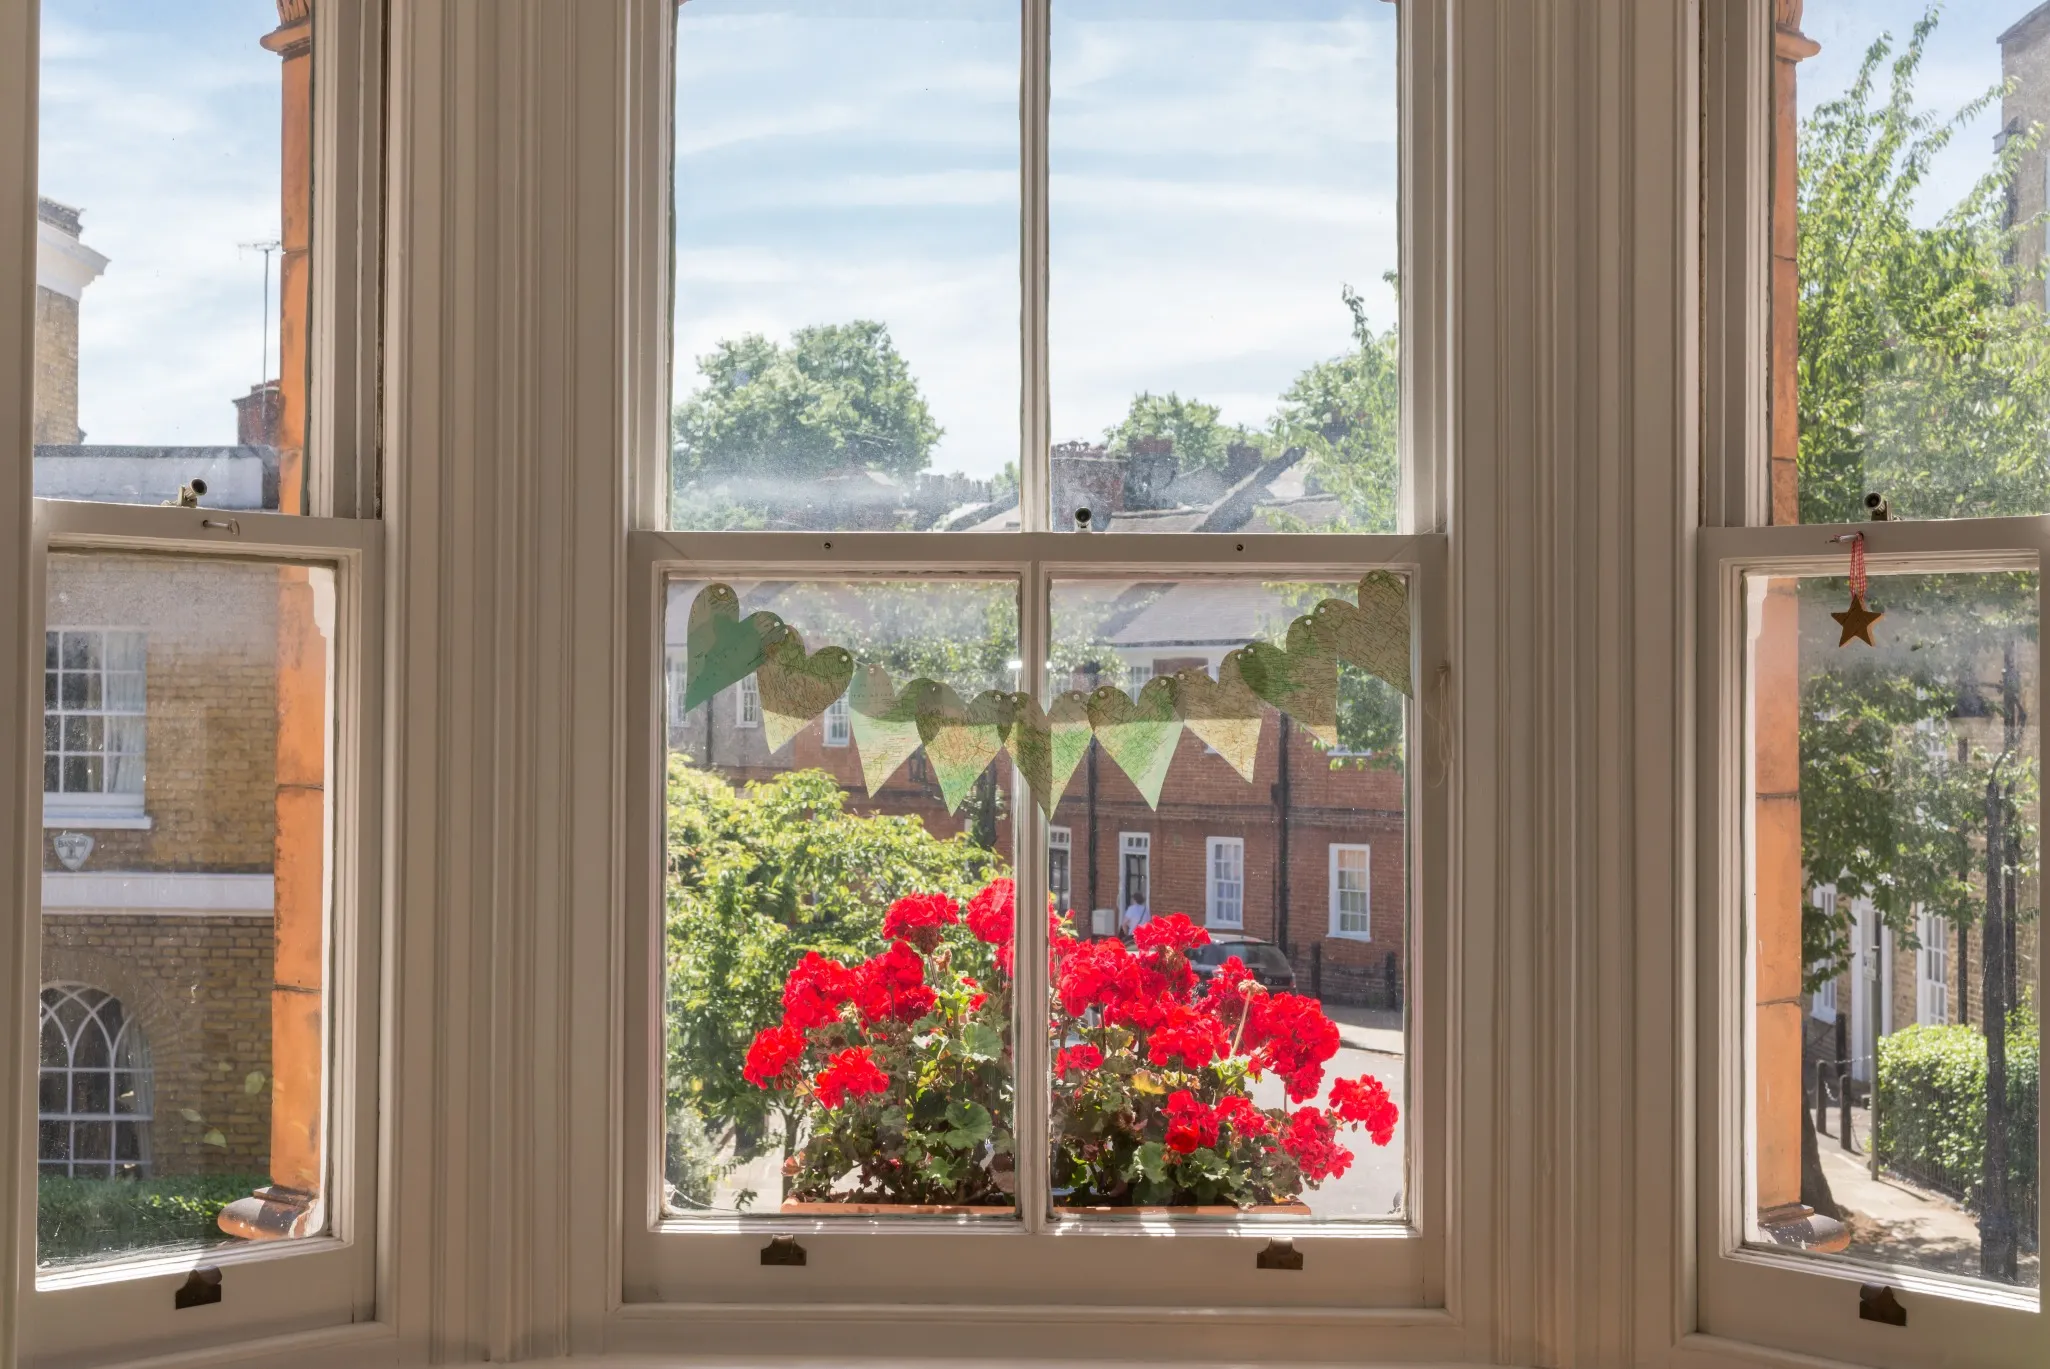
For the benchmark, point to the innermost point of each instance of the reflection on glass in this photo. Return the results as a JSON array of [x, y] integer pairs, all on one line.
[[173, 240], [1913, 311], [1228, 994], [1224, 243], [182, 1065], [1895, 886], [846, 313], [838, 911]]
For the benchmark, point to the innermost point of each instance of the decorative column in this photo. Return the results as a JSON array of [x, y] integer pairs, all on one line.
[[290, 1205]]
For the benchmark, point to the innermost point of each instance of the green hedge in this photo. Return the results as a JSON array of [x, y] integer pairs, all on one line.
[[85, 1218], [1932, 1106]]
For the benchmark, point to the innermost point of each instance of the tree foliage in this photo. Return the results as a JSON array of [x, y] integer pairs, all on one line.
[[839, 397], [755, 878], [1346, 416], [1924, 368], [1201, 442]]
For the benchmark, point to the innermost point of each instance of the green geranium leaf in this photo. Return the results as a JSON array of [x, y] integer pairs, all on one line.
[[1152, 1160], [979, 1041], [970, 1122]]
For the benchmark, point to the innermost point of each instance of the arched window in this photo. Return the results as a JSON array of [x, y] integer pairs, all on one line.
[[93, 1100]]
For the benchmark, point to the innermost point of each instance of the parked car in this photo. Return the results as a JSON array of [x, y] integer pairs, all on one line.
[[1263, 958]]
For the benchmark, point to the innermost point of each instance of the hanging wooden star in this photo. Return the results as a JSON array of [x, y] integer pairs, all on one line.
[[1857, 621]]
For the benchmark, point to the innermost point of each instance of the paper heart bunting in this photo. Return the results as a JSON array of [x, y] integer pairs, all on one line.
[[1139, 734], [797, 688], [1048, 744], [1224, 712], [959, 746], [1375, 635], [722, 649], [885, 724], [1300, 679]]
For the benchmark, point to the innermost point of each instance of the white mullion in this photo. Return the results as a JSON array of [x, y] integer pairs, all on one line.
[[1036, 420], [1029, 978]]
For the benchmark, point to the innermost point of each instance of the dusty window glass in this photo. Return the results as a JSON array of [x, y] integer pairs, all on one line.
[[183, 1012], [1894, 849], [1222, 298], [1909, 360], [173, 243], [1219, 1045], [837, 925], [846, 259]]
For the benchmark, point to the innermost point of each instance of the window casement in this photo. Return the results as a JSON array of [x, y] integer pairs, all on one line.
[[839, 724], [747, 703], [1135, 869], [1894, 774], [1060, 866], [1224, 894], [1351, 892], [206, 600]]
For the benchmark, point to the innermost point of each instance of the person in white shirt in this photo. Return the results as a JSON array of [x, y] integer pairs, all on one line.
[[1137, 914]]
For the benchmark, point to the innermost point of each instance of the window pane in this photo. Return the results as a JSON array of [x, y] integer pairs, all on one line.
[[1154, 1105], [1899, 781], [172, 245], [1224, 242], [846, 330], [185, 914], [830, 1048], [1910, 359]]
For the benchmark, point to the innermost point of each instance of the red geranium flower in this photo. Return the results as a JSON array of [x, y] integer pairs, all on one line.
[[1190, 1124], [1190, 1034], [1173, 931], [992, 914], [1290, 1035], [815, 990], [1229, 989], [852, 1071], [1365, 1101], [980, 997], [1244, 1118], [917, 918], [773, 1051], [892, 986], [1069, 1059], [1309, 1139]]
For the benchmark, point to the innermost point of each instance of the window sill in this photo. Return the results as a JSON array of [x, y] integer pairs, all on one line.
[[97, 820]]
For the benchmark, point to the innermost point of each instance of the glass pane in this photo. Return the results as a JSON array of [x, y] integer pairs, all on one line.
[[838, 1005], [1895, 864], [846, 326], [1911, 363], [1268, 1076], [173, 241], [185, 959], [1224, 246]]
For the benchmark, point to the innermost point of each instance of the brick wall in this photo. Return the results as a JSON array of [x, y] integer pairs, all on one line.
[[56, 378], [209, 784], [200, 990]]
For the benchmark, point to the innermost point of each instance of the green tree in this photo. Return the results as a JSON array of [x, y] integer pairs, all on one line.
[[1346, 416], [1201, 442], [839, 397], [1924, 368], [755, 878]]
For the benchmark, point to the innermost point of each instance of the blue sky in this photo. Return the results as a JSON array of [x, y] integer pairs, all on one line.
[[1215, 178], [161, 121]]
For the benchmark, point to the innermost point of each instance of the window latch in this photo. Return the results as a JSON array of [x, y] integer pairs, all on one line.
[[202, 1288], [783, 1250], [1280, 1255], [1876, 1302]]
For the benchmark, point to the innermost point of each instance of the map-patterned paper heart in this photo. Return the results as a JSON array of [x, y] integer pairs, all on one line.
[[797, 688], [1375, 635], [1048, 744], [1300, 679], [1224, 712], [884, 722], [1139, 735], [957, 746], [722, 648]]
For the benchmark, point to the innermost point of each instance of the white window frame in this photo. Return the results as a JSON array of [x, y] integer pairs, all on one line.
[[1932, 970], [676, 681], [324, 1287], [1338, 929], [1061, 839], [1822, 1003], [1134, 844], [838, 728], [747, 703], [99, 808], [1748, 1292], [1213, 904], [679, 1272]]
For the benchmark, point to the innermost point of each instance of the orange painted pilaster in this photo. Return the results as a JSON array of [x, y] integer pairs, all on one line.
[[1777, 885], [1789, 48]]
